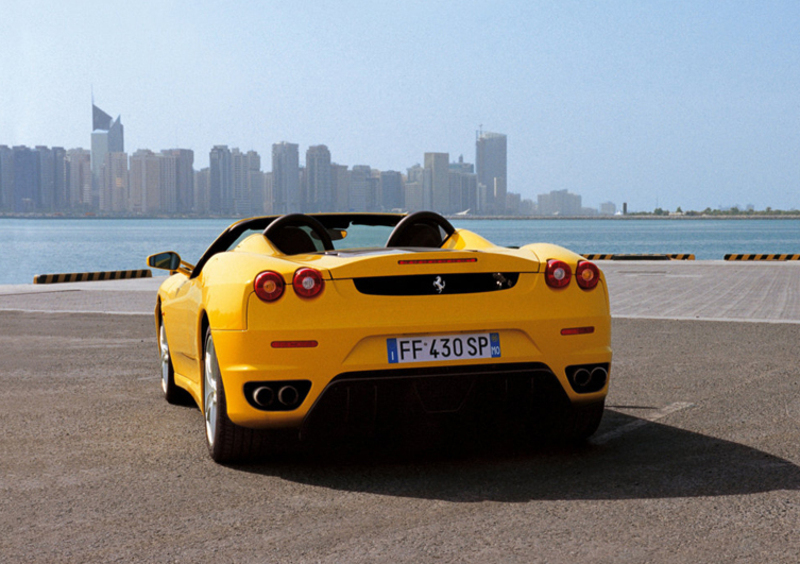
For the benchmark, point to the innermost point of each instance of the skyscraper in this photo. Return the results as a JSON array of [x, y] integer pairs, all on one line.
[[46, 197], [241, 187], [490, 162], [463, 187], [318, 195], [6, 178], [340, 187], [285, 178], [168, 182], [24, 179], [184, 178], [392, 190], [202, 180], [114, 193], [80, 179], [437, 182], [145, 179], [361, 198], [107, 137], [220, 182], [255, 183]]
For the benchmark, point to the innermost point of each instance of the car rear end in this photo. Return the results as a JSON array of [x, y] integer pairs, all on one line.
[[363, 340]]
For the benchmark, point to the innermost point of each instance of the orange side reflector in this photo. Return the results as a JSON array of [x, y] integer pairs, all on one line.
[[577, 330], [294, 344]]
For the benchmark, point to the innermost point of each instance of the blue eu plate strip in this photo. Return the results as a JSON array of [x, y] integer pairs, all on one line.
[[494, 338], [391, 345]]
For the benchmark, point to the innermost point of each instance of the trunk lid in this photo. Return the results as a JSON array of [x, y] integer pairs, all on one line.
[[382, 262]]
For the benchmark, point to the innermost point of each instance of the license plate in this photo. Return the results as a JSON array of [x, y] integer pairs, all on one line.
[[443, 347]]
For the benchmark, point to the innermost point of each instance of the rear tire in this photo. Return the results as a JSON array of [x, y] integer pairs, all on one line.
[[584, 420], [172, 393], [227, 442], [566, 424]]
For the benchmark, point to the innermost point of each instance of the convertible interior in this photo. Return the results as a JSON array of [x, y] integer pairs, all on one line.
[[297, 233]]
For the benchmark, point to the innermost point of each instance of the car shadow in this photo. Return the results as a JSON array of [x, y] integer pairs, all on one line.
[[653, 461]]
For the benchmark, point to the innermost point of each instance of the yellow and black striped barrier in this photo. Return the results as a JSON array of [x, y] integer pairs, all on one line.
[[92, 276], [762, 257], [681, 256]]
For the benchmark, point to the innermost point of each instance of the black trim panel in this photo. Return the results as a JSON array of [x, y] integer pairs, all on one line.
[[445, 284]]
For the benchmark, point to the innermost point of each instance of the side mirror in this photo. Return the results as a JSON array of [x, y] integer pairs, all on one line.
[[165, 261]]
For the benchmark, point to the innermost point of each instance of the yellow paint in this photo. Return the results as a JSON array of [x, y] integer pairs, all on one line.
[[351, 328]]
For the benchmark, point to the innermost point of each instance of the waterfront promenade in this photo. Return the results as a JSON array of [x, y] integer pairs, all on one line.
[[697, 458], [682, 290]]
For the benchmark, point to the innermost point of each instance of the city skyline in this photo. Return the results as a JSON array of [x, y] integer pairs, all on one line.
[[42, 180], [667, 104], [109, 181], [170, 185]]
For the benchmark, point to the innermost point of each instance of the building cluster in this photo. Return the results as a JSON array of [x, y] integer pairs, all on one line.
[[109, 181]]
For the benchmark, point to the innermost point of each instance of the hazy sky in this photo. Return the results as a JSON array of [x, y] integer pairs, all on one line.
[[671, 103]]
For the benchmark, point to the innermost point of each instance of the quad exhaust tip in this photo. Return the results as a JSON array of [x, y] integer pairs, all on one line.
[[277, 396], [264, 396], [582, 377], [288, 395], [589, 378]]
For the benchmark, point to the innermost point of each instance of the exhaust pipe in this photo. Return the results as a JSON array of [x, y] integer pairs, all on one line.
[[600, 375], [288, 395], [264, 396], [582, 377]]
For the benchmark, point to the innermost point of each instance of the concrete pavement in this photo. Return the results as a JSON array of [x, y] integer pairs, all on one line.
[[681, 290], [696, 459]]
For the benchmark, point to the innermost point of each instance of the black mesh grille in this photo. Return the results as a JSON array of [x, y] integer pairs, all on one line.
[[368, 402]]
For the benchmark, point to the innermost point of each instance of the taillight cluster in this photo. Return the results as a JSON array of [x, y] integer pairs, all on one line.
[[558, 274], [307, 283]]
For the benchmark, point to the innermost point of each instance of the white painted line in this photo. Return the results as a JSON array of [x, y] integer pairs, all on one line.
[[715, 319], [74, 311], [633, 425]]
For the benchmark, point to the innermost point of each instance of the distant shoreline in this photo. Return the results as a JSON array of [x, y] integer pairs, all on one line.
[[630, 217]]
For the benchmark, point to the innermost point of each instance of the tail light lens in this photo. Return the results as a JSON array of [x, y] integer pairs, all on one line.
[[269, 286], [587, 275], [308, 282], [557, 273]]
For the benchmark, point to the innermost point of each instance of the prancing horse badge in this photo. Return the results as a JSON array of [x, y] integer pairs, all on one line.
[[438, 283]]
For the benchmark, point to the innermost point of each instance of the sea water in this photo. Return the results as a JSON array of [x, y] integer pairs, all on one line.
[[51, 246]]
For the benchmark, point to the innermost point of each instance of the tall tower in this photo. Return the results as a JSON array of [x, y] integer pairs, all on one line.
[[490, 162], [436, 186], [184, 178], [285, 178], [107, 137], [220, 182], [392, 190], [145, 183], [318, 179], [80, 179]]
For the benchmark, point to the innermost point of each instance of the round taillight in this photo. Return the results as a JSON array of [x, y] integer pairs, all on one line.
[[587, 275], [269, 286], [557, 273], [308, 282]]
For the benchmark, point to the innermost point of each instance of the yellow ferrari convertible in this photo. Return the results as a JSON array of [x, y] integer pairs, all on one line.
[[328, 325]]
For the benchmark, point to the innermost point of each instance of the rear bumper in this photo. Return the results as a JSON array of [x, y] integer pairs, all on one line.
[[478, 397], [352, 339], [355, 367]]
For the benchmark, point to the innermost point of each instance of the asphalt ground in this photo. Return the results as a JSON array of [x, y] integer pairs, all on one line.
[[696, 459]]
